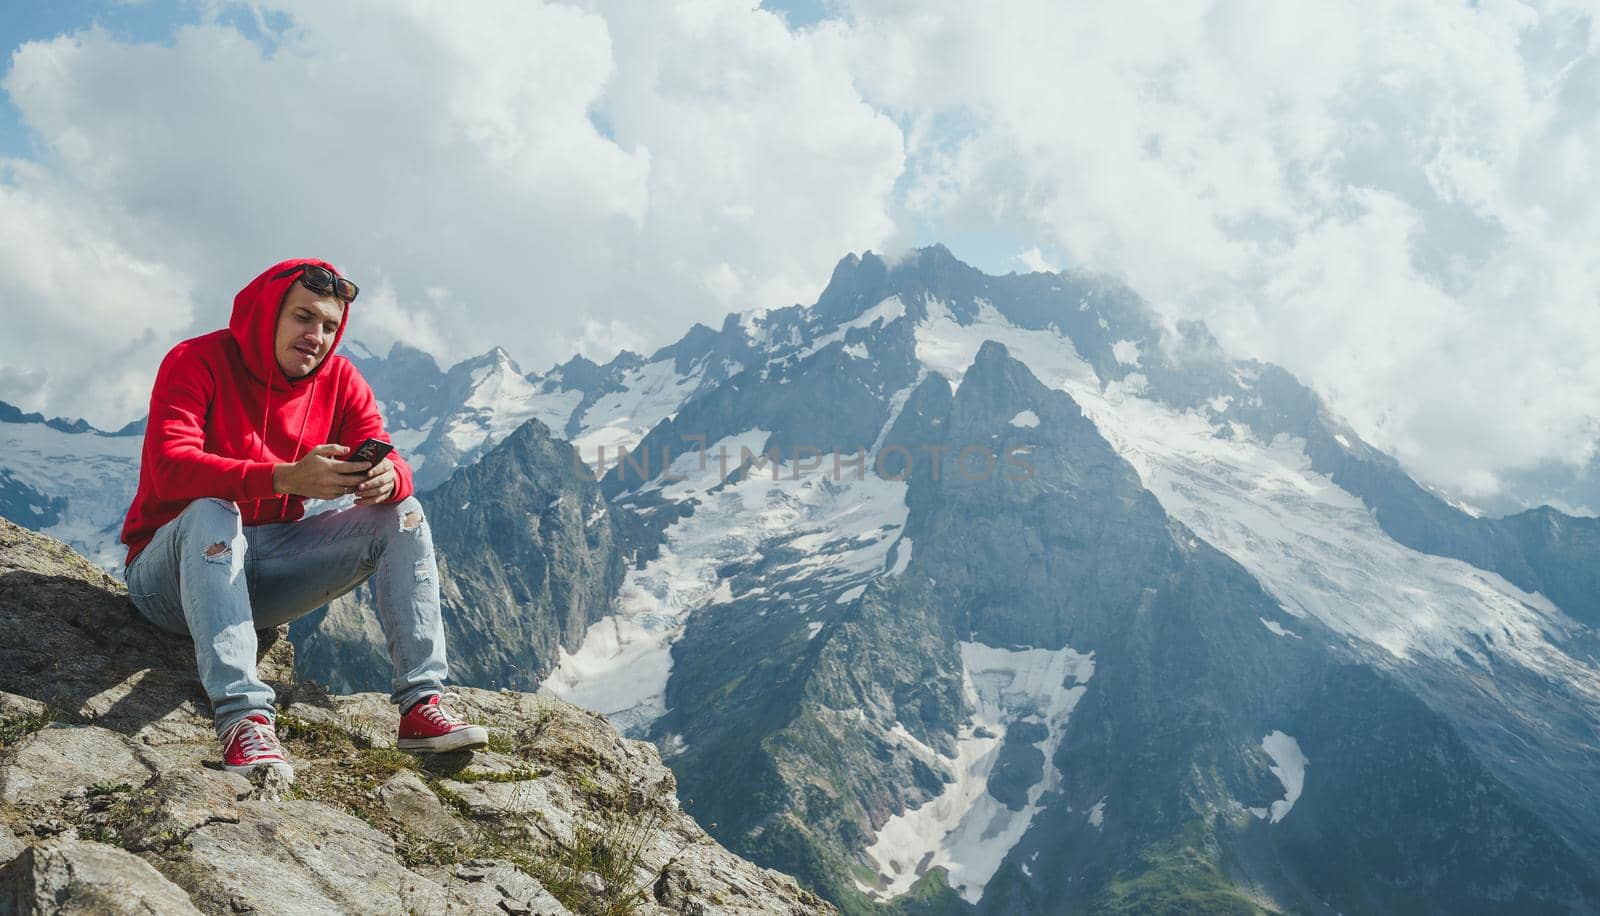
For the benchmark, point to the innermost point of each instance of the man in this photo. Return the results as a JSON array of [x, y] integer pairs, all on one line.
[[245, 424]]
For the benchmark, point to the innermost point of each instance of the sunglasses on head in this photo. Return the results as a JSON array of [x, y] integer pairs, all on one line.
[[322, 281]]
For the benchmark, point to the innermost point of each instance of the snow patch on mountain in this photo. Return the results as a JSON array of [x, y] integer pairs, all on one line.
[[902, 556], [357, 349], [1289, 765], [1318, 549], [840, 530], [878, 316], [623, 664], [1277, 629], [406, 442], [897, 404], [96, 475], [1025, 419], [649, 394], [501, 400], [948, 347], [965, 829], [1097, 814]]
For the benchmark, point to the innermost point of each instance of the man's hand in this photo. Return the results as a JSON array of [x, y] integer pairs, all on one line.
[[320, 475], [379, 485]]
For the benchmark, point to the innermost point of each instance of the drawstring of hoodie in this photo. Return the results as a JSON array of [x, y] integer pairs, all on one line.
[[266, 410], [266, 414], [300, 437]]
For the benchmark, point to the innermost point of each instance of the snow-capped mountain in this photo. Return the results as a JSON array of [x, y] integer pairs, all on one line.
[[918, 687], [446, 420], [75, 482], [958, 593], [69, 480], [925, 648]]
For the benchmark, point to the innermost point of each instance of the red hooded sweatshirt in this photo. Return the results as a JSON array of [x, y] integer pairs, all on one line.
[[222, 414]]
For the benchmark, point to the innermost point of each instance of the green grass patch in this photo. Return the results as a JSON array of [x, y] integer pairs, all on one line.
[[317, 739], [15, 728], [520, 774], [612, 851], [1175, 876]]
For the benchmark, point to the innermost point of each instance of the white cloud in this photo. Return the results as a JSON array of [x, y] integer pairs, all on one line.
[[85, 319], [1033, 259], [536, 160], [763, 154], [1395, 199], [385, 320], [601, 340]]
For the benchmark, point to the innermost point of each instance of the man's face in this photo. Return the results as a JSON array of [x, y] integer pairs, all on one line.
[[306, 326]]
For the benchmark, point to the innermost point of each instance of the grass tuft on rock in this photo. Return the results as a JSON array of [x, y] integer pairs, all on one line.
[[14, 728]]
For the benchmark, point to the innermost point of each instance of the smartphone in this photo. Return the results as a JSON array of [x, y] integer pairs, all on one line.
[[371, 451]]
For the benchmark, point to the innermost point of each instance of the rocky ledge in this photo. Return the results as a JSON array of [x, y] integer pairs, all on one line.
[[112, 799]]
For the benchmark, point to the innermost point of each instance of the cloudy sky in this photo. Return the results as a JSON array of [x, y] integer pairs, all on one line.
[[1396, 199]]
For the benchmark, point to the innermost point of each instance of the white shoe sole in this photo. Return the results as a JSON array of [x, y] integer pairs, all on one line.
[[470, 738]]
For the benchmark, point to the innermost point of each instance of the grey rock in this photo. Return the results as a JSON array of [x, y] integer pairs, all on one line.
[[295, 857], [10, 846], [413, 805], [59, 758], [593, 883], [16, 707], [178, 802], [90, 655], [582, 780], [269, 783], [78, 876], [488, 885]]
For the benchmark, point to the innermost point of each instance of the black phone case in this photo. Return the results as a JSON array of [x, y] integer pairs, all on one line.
[[371, 451]]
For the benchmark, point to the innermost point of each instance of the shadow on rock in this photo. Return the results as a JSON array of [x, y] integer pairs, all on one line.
[[78, 645]]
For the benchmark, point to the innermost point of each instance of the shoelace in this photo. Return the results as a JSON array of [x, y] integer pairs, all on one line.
[[441, 717], [255, 739]]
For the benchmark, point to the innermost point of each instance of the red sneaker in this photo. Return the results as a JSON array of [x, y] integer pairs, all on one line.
[[252, 742], [427, 726]]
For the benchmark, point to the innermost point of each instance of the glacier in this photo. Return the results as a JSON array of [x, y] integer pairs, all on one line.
[[965, 829]]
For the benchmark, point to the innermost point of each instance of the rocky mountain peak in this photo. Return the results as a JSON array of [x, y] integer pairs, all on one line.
[[493, 358], [857, 284], [111, 800], [11, 414]]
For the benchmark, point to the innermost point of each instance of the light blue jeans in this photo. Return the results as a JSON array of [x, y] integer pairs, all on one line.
[[208, 576]]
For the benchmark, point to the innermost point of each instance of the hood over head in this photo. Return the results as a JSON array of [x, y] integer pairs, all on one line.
[[255, 322]]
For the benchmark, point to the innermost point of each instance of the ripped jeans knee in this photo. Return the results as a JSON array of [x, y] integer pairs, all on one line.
[[213, 527], [410, 518], [409, 515], [414, 524]]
